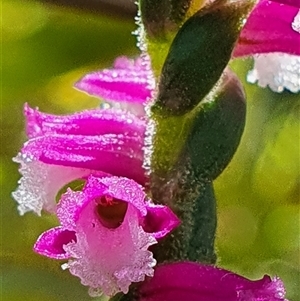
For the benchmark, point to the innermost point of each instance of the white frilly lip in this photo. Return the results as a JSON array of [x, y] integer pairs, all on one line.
[[279, 71], [107, 259]]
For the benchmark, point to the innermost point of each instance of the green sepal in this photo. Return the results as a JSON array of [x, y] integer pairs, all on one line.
[[187, 187], [208, 135], [217, 128], [195, 205], [170, 136], [198, 55]]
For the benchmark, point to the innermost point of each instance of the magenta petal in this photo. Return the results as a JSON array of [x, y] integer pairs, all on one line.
[[269, 29], [160, 220], [197, 282], [295, 3], [120, 188], [128, 81], [120, 155], [94, 122], [51, 243]]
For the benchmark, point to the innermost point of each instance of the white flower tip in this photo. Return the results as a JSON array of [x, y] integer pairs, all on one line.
[[25, 204], [31, 194], [40, 183], [64, 266], [276, 287], [279, 71], [109, 260]]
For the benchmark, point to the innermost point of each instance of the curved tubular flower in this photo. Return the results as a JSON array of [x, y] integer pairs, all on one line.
[[198, 282], [272, 35], [105, 232], [87, 123], [64, 148], [118, 154]]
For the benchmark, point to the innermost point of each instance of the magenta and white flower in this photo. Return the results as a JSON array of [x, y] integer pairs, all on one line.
[[111, 140], [105, 229], [271, 27], [105, 232], [272, 36], [61, 149]]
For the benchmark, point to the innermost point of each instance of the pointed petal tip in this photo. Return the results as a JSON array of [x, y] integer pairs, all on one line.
[[192, 281], [160, 220], [115, 86], [51, 243]]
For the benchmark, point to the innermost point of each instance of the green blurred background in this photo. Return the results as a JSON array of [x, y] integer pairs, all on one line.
[[45, 49]]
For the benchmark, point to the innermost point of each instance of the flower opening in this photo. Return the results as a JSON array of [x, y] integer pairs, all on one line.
[[102, 234]]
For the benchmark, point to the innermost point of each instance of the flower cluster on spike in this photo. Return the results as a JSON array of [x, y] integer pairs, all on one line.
[[106, 229]]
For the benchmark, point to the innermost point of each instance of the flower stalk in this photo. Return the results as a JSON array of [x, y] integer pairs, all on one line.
[[187, 188], [196, 132]]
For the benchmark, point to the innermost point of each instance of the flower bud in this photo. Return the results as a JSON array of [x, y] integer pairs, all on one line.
[[217, 128], [198, 55]]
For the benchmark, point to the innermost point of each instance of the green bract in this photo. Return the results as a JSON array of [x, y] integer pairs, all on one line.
[[198, 55], [186, 186]]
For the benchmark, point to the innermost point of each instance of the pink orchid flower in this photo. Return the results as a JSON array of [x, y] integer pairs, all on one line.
[[197, 282], [105, 232], [61, 149], [104, 146], [129, 84]]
